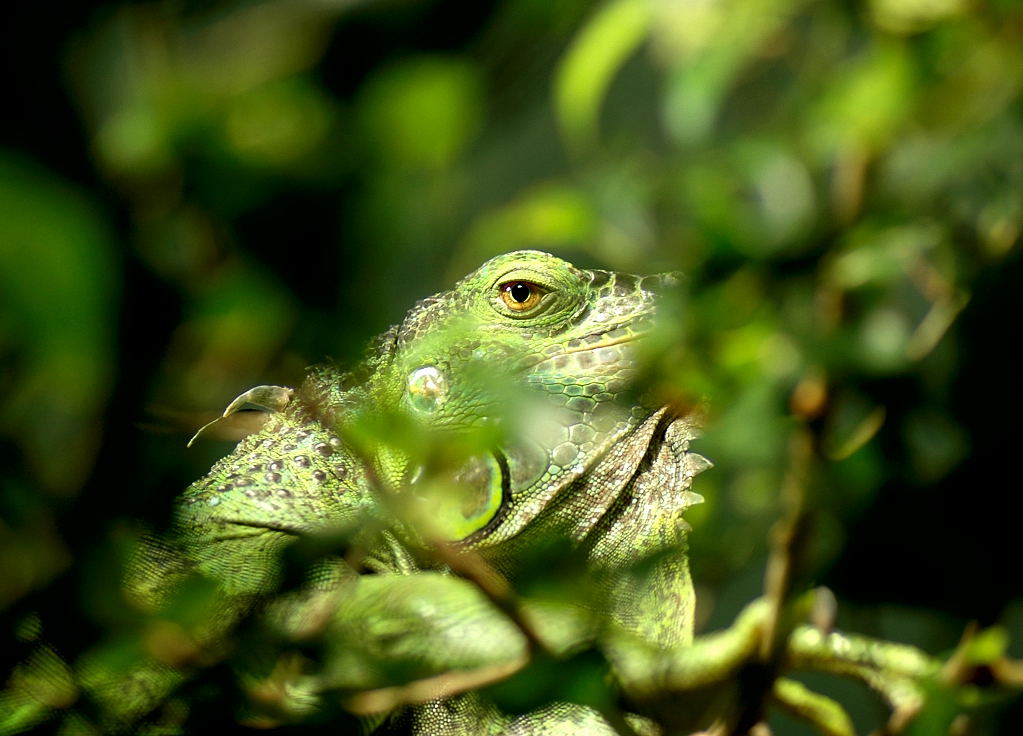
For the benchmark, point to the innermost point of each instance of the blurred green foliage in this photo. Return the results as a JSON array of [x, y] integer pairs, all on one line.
[[266, 183]]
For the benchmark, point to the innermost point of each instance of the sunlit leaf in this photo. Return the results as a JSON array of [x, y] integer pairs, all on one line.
[[601, 47]]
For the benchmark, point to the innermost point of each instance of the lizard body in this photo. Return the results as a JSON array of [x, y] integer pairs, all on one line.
[[497, 421], [573, 460]]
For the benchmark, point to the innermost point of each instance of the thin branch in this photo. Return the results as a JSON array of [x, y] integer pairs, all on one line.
[[431, 688], [820, 711]]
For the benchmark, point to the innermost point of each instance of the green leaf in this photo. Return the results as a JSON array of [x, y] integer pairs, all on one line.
[[598, 52]]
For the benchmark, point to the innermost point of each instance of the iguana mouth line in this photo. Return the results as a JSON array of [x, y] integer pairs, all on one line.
[[590, 347], [259, 526], [598, 346]]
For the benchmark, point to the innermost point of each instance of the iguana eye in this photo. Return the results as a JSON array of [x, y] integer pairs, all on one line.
[[521, 296]]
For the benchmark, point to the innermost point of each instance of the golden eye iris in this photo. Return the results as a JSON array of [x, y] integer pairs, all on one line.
[[520, 296]]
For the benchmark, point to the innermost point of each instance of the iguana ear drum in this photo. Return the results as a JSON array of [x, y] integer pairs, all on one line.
[[426, 389]]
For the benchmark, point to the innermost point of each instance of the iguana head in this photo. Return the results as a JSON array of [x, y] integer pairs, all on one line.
[[534, 346], [487, 401]]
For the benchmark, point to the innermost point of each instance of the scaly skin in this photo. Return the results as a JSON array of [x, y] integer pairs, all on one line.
[[498, 418], [539, 386]]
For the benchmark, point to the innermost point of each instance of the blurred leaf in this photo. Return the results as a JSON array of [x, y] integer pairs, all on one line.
[[31, 554], [601, 47], [910, 16], [60, 291], [278, 124], [705, 45], [867, 103], [987, 646], [852, 424], [550, 215], [936, 444], [238, 322], [579, 679], [169, 79], [422, 111]]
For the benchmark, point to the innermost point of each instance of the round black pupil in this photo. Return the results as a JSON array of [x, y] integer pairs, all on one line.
[[520, 292]]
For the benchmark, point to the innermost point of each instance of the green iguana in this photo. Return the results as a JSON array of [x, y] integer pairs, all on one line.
[[367, 548]]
